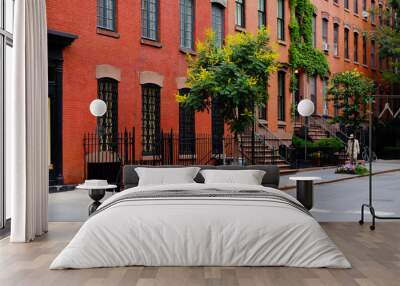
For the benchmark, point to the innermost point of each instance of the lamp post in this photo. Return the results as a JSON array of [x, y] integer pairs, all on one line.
[[305, 108], [98, 108]]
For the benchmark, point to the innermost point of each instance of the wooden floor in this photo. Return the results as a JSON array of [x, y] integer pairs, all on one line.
[[375, 257]]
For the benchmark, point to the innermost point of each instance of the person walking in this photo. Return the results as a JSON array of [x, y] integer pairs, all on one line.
[[353, 149]]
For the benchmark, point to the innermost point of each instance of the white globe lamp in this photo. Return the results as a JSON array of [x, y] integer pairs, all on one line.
[[98, 107], [305, 108]]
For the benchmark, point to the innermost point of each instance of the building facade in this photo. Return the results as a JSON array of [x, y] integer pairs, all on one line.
[[131, 54]]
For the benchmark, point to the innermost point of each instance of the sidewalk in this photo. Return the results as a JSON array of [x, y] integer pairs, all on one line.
[[328, 174]]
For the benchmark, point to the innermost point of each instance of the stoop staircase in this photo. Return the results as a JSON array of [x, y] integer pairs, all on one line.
[[319, 127]]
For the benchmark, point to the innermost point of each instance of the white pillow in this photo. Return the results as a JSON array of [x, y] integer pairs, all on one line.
[[248, 177], [166, 176]]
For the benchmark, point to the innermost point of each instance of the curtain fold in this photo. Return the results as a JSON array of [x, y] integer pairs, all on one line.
[[27, 155]]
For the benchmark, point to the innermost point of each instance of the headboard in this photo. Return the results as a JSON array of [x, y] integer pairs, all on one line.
[[130, 178]]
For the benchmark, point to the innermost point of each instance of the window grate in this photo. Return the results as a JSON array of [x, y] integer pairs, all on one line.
[[108, 92], [187, 132], [150, 119]]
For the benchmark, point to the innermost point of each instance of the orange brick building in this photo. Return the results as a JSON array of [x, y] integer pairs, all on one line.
[[132, 54]]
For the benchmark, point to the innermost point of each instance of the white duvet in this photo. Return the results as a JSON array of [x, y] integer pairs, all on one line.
[[202, 232]]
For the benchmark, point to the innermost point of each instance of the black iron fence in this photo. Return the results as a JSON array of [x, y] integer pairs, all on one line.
[[103, 159]]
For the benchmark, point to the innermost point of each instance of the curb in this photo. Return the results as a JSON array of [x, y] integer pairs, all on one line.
[[343, 179]]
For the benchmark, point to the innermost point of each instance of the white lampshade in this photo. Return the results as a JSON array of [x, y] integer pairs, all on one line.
[[98, 107], [306, 107]]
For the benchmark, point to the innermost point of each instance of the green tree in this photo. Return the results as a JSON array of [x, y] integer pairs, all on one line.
[[388, 39], [351, 91], [233, 77]]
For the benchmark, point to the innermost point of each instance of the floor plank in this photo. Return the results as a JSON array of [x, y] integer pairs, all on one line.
[[375, 257]]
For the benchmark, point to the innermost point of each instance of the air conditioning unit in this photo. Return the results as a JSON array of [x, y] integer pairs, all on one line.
[[365, 14], [325, 47]]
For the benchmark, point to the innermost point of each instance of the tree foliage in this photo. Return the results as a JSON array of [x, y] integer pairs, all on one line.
[[234, 77], [351, 90], [302, 55], [388, 39]]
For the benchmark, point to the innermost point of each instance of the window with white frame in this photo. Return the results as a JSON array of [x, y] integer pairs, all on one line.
[[346, 43], [336, 39], [364, 49], [372, 12], [325, 34], [325, 110], [346, 4], [6, 64], [150, 12], [372, 60], [218, 23], [187, 23], [240, 13], [262, 14], [106, 14]]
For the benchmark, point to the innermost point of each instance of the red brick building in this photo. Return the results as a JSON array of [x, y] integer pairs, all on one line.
[[132, 54]]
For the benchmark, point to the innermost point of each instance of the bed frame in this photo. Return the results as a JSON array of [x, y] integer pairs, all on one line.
[[130, 178]]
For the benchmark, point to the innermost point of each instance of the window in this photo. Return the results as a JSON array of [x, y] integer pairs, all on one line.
[[262, 112], [373, 12], [380, 16], [355, 2], [312, 83], [150, 19], [355, 47], [314, 30], [281, 20], [346, 43], [218, 23], [262, 15], [150, 119], [186, 21], [281, 95], [187, 133], [6, 65], [240, 13], [106, 14], [217, 129], [107, 90], [325, 110], [364, 49], [373, 54], [346, 4], [325, 34], [336, 39], [364, 5]]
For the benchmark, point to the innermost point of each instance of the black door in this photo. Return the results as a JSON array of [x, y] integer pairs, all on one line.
[[55, 120]]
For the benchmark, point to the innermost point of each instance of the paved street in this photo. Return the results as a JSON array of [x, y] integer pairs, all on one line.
[[338, 201]]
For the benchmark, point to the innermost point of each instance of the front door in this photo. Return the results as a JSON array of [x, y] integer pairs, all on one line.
[[55, 122]]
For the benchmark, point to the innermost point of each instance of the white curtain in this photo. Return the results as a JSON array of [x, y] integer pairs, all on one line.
[[27, 148]]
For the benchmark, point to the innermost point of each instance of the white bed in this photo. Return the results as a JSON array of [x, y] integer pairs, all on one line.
[[200, 231]]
